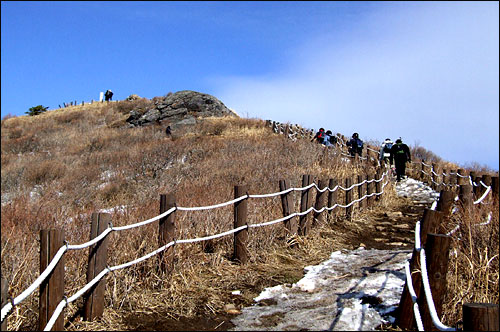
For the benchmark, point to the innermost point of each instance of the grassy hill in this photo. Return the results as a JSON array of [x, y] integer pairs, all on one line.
[[62, 165]]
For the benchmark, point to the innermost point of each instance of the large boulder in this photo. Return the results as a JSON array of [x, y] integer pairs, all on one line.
[[178, 106]]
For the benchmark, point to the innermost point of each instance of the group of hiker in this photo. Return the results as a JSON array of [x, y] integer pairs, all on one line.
[[326, 138], [397, 154]]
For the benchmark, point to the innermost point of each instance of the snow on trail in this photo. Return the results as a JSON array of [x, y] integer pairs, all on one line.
[[353, 290]]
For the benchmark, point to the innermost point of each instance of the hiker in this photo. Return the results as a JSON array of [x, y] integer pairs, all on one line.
[[355, 145], [400, 154], [328, 136], [385, 151], [320, 136], [168, 131], [108, 95]]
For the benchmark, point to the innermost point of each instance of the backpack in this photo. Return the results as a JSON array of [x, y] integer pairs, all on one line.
[[387, 148], [321, 136], [359, 143]]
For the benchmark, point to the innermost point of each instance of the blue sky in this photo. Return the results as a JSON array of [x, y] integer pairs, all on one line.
[[425, 71]]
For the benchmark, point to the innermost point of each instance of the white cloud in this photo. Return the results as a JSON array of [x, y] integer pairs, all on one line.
[[425, 71]]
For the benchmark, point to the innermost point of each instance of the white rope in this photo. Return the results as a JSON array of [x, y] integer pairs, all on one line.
[[428, 296], [487, 221], [213, 206], [409, 284], [164, 214], [484, 195], [417, 236]]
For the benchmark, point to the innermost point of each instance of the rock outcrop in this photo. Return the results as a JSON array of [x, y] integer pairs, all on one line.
[[180, 108]]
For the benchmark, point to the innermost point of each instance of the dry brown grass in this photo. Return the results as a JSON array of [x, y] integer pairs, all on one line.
[[81, 159], [473, 274]]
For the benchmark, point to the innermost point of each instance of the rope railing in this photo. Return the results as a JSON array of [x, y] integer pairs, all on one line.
[[50, 267], [488, 188], [425, 279], [63, 303]]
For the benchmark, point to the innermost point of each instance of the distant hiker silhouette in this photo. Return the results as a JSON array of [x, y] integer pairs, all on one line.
[[385, 151], [400, 153], [168, 131], [108, 95], [355, 145], [320, 136]]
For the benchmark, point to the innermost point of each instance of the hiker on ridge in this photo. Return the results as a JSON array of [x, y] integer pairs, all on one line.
[[329, 139], [385, 152], [355, 145], [400, 154], [320, 136], [108, 95]]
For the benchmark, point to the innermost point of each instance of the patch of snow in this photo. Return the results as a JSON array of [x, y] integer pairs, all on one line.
[[353, 290]]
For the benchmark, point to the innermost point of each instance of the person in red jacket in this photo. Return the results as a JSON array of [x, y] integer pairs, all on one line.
[[320, 136]]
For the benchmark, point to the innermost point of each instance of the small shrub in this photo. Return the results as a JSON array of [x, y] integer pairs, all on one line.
[[35, 110]]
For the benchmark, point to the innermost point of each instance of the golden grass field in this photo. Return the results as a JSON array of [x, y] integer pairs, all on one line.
[[62, 165]]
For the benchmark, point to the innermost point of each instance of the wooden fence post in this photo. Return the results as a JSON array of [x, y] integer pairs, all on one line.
[[474, 181], [361, 190], [445, 202], [98, 256], [287, 130], [486, 179], [445, 178], [305, 204], [240, 219], [369, 188], [422, 170], [465, 196], [320, 203], [462, 177], [52, 288], [404, 315], [287, 206], [378, 184], [453, 178], [494, 185], [5, 297], [435, 177], [166, 233], [480, 317], [437, 249], [348, 198], [332, 196]]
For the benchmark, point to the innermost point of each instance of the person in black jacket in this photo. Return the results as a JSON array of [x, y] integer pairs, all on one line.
[[355, 145], [108, 95], [400, 155]]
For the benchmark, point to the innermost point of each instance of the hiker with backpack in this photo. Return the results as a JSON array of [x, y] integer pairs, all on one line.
[[329, 140], [385, 152], [400, 154], [320, 136], [108, 95], [355, 145]]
